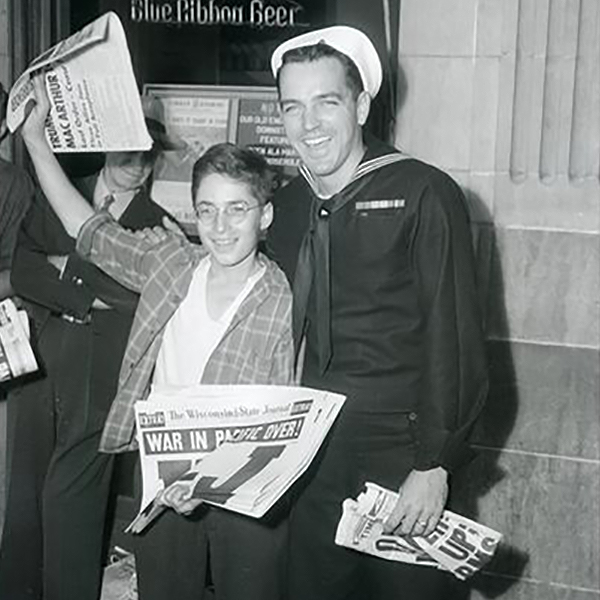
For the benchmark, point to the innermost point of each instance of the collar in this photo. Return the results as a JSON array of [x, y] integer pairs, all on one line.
[[377, 155], [122, 199], [103, 188], [271, 281]]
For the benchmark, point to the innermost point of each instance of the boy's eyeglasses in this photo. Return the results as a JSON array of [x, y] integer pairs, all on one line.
[[236, 212]]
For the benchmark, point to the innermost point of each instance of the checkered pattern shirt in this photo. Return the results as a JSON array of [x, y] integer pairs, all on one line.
[[256, 348]]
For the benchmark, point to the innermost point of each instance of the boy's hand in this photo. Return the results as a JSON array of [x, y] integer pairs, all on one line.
[[36, 111], [179, 497]]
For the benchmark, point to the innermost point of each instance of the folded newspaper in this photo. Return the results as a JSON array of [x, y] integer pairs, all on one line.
[[239, 447], [95, 104], [457, 544], [16, 355]]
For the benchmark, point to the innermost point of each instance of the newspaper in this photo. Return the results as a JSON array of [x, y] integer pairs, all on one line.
[[239, 447], [119, 580], [16, 355], [95, 104], [457, 544]]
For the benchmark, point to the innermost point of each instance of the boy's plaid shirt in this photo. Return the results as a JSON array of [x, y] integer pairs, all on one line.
[[257, 347]]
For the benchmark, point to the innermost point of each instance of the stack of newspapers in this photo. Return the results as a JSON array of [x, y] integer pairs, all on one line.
[[238, 447], [16, 355]]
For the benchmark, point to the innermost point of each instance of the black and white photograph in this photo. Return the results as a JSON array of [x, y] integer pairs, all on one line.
[[299, 299]]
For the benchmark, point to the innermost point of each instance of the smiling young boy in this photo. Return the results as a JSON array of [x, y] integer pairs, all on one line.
[[219, 313]]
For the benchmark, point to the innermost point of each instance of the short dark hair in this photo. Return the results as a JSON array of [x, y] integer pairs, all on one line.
[[322, 50], [241, 164]]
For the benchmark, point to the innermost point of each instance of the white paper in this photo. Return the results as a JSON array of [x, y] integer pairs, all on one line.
[[239, 447], [95, 104]]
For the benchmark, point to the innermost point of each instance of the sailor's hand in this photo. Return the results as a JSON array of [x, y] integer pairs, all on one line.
[[172, 226], [157, 234], [421, 501]]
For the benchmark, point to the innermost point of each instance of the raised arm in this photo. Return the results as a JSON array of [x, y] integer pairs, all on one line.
[[68, 204], [121, 254]]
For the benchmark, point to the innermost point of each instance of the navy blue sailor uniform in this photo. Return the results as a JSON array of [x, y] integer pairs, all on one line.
[[392, 321]]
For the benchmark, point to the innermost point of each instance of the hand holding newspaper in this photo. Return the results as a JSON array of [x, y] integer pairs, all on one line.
[[95, 104], [457, 544], [16, 355], [239, 447]]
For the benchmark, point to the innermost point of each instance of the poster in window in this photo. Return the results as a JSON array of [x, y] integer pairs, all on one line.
[[203, 115]]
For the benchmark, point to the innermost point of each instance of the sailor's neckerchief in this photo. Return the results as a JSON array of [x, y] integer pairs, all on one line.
[[316, 242]]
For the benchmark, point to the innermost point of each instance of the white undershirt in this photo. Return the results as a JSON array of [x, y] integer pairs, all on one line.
[[191, 334]]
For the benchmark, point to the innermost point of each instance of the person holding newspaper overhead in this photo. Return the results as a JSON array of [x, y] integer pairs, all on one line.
[[16, 192], [377, 245], [216, 313], [58, 493]]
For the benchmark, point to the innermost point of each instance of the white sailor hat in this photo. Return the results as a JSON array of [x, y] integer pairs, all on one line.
[[347, 40]]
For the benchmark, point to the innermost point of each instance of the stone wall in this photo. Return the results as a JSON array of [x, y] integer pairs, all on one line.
[[505, 95]]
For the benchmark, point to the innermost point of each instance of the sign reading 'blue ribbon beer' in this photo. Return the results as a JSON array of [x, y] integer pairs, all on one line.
[[257, 13]]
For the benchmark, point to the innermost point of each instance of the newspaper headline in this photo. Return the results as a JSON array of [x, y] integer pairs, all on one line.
[[95, 104], [239, 447], [457, 544]]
